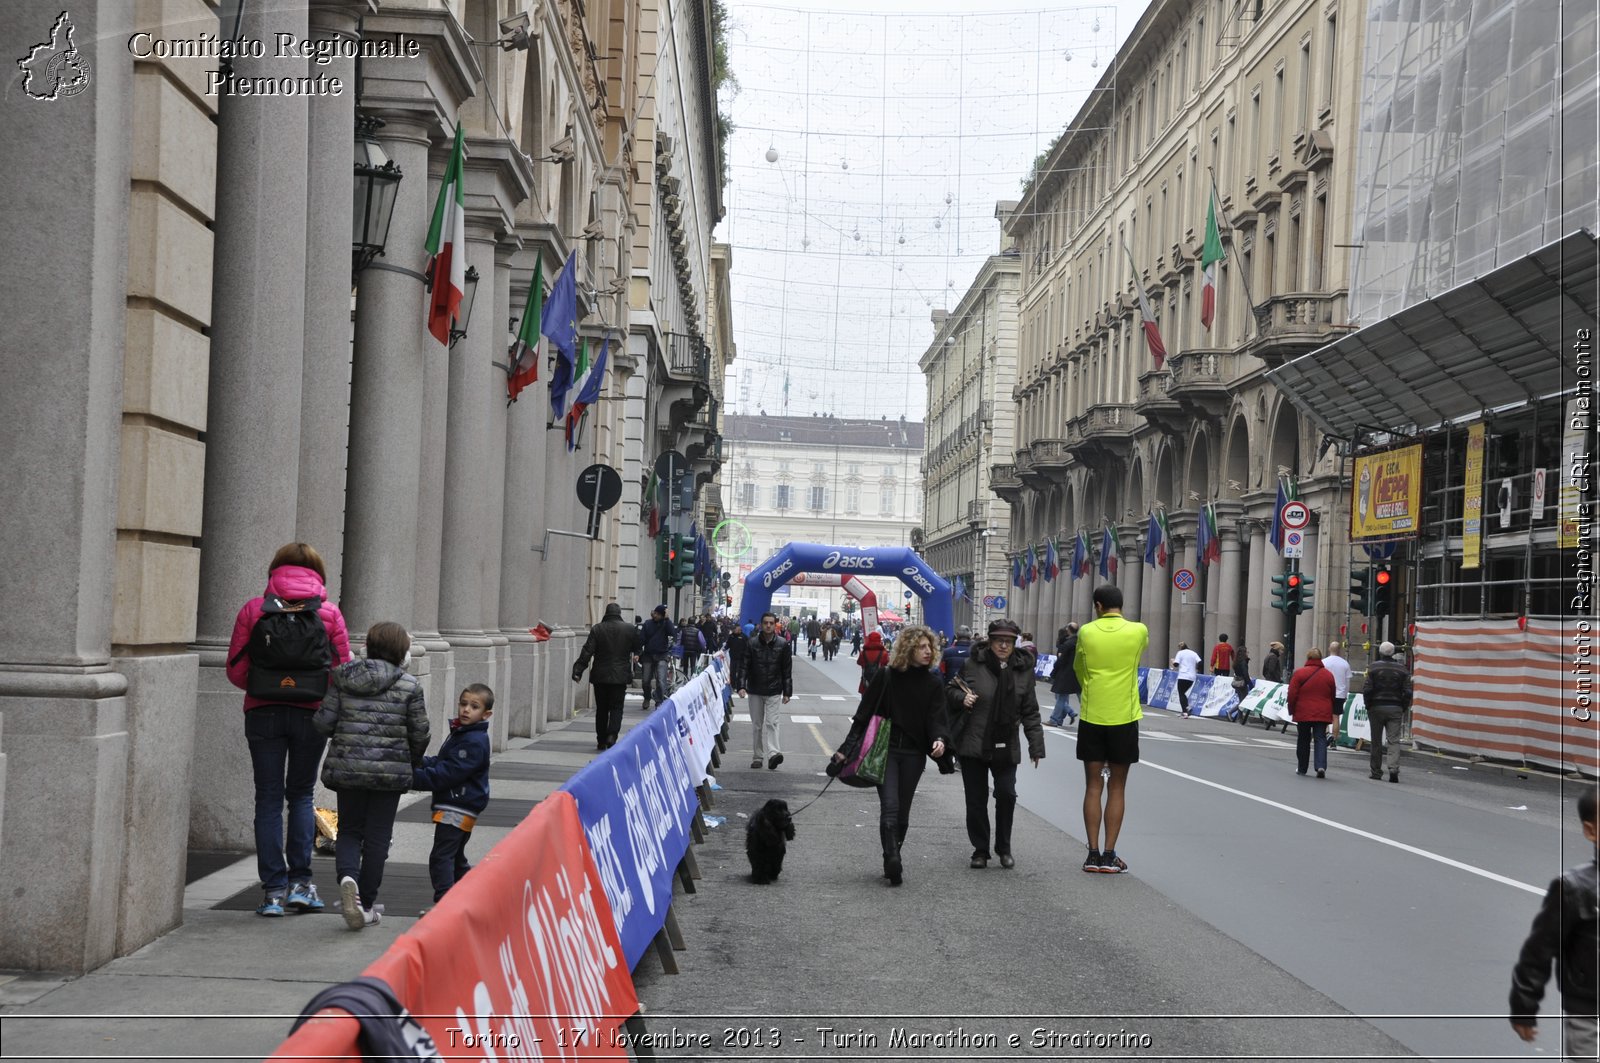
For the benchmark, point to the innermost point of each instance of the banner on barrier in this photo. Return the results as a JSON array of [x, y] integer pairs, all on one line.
[[698, 708], [1044, 665], [636, 803], [519, 959]]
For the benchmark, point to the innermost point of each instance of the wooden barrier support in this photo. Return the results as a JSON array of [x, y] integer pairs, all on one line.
[[674, 932]]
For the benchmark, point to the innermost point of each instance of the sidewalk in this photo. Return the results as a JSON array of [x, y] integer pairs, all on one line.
[[228, 984]]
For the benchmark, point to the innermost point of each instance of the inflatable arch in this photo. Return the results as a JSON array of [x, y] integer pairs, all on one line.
[[853, 586], [900, 562]]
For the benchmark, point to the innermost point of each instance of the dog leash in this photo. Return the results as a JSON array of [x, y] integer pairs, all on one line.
[[814, 800]]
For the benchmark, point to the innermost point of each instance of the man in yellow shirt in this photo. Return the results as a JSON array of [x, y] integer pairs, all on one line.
[[1107, 664]]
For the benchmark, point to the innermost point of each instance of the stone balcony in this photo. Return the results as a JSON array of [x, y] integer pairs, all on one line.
[[1004, 481], [1050, 455], [1106, 431], [1200, 380], [1156, 405], [1026, 471], [1297, 323]]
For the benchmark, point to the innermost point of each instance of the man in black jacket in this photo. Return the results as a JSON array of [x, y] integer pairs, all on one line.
[[656, 636], [768, 674], [1387, 694], [612, 645]]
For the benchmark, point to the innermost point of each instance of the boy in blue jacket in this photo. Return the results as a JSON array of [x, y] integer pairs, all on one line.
[[459, 779]]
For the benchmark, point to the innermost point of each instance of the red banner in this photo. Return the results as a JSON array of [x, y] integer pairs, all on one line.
[[520, 960]]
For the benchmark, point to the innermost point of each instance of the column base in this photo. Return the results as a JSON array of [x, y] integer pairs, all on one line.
[[520, 696]]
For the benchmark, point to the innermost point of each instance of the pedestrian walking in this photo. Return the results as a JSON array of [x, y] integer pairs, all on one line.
[[911, 696], [955, 655], [768, 676], [1387, 694], [1241, 681], [1107, 665], [1187, 662], [377, 720], [1222, 657], [693, 644], [612, 646], [656, 639], [1565, 934], [1339, 668], [459, 779], [284, 644], [1272, 663], [1312, 696], [993, 707], [1063, 677], [871, 660]]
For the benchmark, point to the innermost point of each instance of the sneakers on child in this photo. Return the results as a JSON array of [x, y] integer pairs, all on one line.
[[272, 905], [350, 903], [303, 898]]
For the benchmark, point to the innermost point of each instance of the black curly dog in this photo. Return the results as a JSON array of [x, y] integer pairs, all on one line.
[[767, 839]]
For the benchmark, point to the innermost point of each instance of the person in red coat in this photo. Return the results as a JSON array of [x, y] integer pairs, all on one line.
[[871, 660], [1311, 698]]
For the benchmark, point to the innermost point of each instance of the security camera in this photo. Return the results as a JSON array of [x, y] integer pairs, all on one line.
[[563, 149], [516, 32], [593, 231]]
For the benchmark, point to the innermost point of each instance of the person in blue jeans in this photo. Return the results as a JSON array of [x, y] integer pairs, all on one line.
[[284, 748], [1063, 679]]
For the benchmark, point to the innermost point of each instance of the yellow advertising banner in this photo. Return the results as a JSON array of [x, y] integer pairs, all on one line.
[[1472, 501], [1388, 495]]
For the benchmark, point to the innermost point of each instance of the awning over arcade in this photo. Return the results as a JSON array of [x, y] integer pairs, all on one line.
[[1500, 340]]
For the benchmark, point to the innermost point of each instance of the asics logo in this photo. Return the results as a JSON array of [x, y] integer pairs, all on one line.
[[856, 561]]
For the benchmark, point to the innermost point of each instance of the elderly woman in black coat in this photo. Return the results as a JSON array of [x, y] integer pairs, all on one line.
[[993, 706]]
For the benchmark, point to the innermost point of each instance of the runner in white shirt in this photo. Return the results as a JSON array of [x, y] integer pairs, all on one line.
[[1187, 662]]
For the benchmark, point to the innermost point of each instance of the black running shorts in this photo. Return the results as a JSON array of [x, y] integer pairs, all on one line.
[[1114, 744]]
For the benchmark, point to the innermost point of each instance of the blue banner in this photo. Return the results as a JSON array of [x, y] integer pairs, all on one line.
[[636, 802]]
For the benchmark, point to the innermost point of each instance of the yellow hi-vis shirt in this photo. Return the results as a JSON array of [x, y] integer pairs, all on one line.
[[1107, 664]]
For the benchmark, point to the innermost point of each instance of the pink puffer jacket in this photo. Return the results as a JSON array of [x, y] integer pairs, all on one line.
[[292, 582]]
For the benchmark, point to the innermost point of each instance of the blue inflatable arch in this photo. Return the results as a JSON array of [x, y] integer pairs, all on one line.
[[901, 562]]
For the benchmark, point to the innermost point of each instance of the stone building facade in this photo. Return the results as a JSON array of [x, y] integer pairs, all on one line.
[[971, 369], [1257, 101], [192, 389], [820, 479]]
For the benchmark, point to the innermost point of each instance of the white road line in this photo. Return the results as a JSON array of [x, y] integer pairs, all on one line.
[[1280, 743], [1162, 736], [1537, 891], [833, 697], [1219, 738], [741, 717], [806, 719]]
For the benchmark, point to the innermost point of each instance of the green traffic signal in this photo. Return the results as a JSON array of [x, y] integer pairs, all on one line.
[[684, 572], [1361, 591], [1306, 596], [1280, 592], [663, 552]]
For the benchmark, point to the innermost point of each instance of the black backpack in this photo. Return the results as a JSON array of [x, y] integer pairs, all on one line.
[[289, 651], [869, 672]]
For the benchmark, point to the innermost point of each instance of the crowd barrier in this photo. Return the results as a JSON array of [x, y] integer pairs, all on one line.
[[531, 954]]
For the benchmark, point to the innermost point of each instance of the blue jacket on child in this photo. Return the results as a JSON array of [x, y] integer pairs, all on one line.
[[459, 775]]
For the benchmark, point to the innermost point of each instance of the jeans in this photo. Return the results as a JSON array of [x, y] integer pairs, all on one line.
[[284, 753], [1183, 694], [1064, 708], [764, 723], [366, 826], [608, 699], [1305, 735], [1385, 738], [975, 773], [899, 786], [448, 860], [657, 677]]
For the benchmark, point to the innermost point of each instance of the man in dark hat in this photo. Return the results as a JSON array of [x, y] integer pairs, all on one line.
[[612, 645], [656, 637]]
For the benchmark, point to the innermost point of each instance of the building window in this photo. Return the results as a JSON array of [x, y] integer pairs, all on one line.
[[780, 496], [783, 465], [852, 498], [818, 500], [747, 496], [818, 470], [886, 499]]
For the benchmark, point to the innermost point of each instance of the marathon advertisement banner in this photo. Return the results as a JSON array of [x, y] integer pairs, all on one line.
[[1044, 666], [519, 960], [636, 803], [1388, 494], [698, 707], [1271, 700], [1211, 695]]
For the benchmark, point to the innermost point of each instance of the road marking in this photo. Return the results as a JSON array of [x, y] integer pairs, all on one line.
[[826, 748], [741, 717], [1537, 891], [806, 719], [1219, 738], [833, 697], [1162, 736], [1280, 743]]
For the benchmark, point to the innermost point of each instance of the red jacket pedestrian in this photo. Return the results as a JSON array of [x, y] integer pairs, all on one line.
[[1311, 691], [875, 655]]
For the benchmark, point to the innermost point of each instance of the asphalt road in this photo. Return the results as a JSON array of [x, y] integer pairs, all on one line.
[[1247, 928]]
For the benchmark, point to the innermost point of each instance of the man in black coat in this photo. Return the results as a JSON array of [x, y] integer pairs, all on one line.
[[657, 636], [1387, 695], [612, 645], [768, 673]]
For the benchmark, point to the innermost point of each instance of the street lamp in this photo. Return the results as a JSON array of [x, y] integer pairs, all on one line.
[[377, 182], [469, 293]]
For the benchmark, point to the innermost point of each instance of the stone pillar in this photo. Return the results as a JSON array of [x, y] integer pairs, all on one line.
[[253, 430], [1158, 599], [495, 400], [1258, 613], [1130, 576], [63, 740], [325, 379], [1230, 580]]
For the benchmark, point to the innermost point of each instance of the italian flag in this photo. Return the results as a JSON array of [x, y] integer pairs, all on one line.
[[1152, 332], [447, 268], [525, 349], [1166, 537], [652, 502], [1210, 255]]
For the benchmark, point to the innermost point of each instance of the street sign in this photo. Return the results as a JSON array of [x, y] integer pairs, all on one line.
[[1295, 514], [1294, 544], [599, 488], [908, 594], [988, 601], [999, 601], [1183, 579]]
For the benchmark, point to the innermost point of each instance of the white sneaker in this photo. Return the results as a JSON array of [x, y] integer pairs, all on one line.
[[371, 916], [350, 902]]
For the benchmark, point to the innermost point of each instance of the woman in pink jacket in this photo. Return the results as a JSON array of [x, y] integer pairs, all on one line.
[[1311, 696], [284, 643]]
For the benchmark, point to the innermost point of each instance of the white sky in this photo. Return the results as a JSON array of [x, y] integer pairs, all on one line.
[[897, 126]]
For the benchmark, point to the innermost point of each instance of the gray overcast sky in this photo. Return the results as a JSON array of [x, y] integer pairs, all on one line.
[[897, 127]]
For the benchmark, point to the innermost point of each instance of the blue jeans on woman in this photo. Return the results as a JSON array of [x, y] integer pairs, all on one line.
[[284, 754], [1305, 735], [1063, 709]]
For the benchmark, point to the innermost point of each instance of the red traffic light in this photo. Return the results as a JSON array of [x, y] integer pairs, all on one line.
[[1383, 577], [1294, 579]]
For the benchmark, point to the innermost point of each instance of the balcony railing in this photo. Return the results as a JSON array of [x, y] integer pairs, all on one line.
[[1050, 454], [1302, 314], [1109, 421], [688, 357]]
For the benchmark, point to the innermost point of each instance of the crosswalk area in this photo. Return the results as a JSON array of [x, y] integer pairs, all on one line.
[[1167, 736]]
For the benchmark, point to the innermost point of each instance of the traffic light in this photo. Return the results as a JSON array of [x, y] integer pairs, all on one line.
[[1361, 591], [683, 562], [663, 559], [1300, 596], [1382, 591], [1280, 592]]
